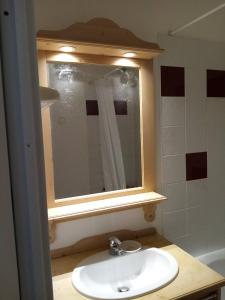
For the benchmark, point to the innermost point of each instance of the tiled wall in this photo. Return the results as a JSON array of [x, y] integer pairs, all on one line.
[[191, 127]]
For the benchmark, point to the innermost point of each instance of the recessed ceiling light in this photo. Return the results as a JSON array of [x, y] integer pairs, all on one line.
[[67, 49], [130, 54]]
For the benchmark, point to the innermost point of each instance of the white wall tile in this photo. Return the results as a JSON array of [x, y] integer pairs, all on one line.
[[216, 162], [173, 140], [196, 125], [197, 192], [196, 244], [183, 242], [216, 203], [216, 137], [176, 196], [196, 109], [173, 111], [216, 235], [174, 168], [196, 220], [196, 138], [174, 224], [195, 82]]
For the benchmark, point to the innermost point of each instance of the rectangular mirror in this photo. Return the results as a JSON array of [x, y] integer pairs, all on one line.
[[95, 128]]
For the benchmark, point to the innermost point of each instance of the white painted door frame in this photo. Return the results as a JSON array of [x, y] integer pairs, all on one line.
[[25, 148]]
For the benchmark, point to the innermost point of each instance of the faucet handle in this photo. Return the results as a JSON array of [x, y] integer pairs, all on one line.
[[118, 248], [114, 241]]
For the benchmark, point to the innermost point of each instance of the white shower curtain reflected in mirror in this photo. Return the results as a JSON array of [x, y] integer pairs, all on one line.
[[95, 129], [112, 158]]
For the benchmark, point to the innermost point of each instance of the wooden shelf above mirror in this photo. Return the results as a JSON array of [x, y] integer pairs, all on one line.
[[99, 36]]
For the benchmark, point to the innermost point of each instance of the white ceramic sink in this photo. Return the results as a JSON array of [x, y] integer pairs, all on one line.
[[102, 276]]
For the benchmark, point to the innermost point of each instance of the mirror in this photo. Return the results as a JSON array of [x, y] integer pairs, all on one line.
[[96, 140]]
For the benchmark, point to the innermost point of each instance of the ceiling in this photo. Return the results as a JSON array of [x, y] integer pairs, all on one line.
[[146, 18]]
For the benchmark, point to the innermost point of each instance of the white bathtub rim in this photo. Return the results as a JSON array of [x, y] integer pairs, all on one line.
[[213, 256]]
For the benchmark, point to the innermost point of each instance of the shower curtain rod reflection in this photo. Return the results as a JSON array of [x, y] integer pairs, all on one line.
[[122, 69]]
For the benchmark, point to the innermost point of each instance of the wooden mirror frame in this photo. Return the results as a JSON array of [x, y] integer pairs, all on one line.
[[113, 51]]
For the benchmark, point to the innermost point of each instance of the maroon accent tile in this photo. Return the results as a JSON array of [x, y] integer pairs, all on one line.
[[216, 83], [172, 81], [92, 107], [120, 107], [196, 165]]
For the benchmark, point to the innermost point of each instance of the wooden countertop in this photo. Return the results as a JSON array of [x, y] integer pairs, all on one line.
[[193, 276]]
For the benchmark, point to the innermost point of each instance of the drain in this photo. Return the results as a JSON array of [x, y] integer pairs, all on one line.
[[123, 289]]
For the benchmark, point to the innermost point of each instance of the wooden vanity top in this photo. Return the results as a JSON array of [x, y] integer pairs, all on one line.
[[193, 281]]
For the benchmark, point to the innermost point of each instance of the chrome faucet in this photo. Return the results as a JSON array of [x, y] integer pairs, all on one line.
[[115, 248]]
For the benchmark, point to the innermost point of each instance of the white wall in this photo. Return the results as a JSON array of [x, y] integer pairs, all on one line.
[[71, 232], [146, 18], [194, 214]]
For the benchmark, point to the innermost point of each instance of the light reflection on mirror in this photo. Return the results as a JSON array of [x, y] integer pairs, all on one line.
[[95, 128]]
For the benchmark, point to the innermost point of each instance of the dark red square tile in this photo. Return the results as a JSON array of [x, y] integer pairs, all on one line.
[[120, 107], [172, 81], [196, 165], [92, 107], [215, 83]]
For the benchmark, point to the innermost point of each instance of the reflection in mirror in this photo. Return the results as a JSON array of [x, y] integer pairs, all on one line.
[[95, 129]]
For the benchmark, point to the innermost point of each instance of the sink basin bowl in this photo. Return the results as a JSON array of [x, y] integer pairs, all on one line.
[[102, 276]]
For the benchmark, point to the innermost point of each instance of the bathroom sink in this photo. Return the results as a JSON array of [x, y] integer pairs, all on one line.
[[102, 276]]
